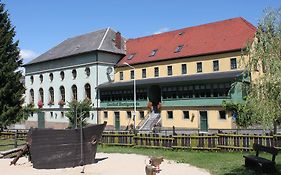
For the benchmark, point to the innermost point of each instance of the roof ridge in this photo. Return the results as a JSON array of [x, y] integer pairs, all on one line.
[[248, 23], [200, 25]]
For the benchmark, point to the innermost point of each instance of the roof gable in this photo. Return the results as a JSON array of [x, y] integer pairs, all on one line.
[[99, 40]]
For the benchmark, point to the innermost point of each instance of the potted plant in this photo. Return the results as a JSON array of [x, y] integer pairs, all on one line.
[[50, 102], [61, 103], [40, 104]]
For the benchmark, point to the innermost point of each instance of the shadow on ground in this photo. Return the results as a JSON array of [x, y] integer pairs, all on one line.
[[244, 171], [97, 160]]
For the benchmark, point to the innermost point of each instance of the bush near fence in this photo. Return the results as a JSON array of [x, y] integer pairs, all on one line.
[[212, 142]]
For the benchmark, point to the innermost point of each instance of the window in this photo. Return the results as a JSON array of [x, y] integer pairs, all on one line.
[[131, 56], [41, 78], [88, 91], [121, 75], [141, 115], [51, 96], [31, 79], [153, 52], [216, 65], [51, 76], [87, 71], [31, 99], [129, 114], [233, 63], [143, 73], [62, 93], [199, 67], [62, 114], [41, 95], [183, 69], [74, 73], [170, 70], [186, 114], [105, 114], [222, 115], [51, 114], [179, 48], [156, 72], [132, 74], [170, 114], [61, 75], [74, 92]]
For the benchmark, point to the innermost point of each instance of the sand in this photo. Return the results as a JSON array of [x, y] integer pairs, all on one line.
[[108, 164]]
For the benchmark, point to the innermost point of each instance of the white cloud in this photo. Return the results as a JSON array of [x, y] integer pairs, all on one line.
[[27, 55], [164, 29]]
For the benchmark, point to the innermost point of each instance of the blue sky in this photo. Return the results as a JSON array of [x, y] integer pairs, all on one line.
[[41, 25]]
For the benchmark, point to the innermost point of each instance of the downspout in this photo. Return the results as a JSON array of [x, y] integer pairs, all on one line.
[[97, 90]]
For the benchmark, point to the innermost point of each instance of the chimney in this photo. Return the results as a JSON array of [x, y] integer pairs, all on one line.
[[118, 40]]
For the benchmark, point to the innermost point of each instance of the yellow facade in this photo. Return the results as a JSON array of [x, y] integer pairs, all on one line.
[[213, 119], [207, 66]]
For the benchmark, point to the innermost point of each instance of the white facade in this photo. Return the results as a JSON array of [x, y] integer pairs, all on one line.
[[55, 114]]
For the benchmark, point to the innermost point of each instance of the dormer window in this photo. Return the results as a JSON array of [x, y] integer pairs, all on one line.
[[153, 52], [179, 48], [131, 56]]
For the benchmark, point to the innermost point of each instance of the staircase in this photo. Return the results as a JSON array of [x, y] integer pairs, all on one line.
[[150, 122]]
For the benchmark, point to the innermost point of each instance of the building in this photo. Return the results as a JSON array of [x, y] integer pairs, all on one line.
[[71, 71], [182, 78]]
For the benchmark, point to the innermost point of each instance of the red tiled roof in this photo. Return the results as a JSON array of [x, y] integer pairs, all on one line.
[[222, 36]]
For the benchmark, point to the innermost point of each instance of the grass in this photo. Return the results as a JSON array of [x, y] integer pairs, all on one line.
[[9, 144], [217, 163]]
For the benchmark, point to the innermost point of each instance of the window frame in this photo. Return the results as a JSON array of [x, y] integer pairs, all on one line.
[[121, 75], [143, 73], [183, 69], [216, 65], [156, 70], [199, 67], [170, 114], [132, 74], [233, 65], [184, 115], [220, 115], [170, 70]]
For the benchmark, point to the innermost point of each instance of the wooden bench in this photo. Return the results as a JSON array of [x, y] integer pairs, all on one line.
[[260, 164]]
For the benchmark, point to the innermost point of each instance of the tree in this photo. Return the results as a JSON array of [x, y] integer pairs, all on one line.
[[264, 95], [78, 111], [11, 89]]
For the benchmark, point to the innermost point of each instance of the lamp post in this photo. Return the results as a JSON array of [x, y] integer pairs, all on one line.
[[135, 95]]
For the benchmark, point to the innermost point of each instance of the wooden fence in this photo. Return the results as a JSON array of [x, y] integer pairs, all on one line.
[[213, 142]]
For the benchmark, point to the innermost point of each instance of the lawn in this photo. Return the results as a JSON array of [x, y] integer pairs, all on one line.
[[217, 163]]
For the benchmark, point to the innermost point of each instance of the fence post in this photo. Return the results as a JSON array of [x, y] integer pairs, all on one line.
[[15, 139]]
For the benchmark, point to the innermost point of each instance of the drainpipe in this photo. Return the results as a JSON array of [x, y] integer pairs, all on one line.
[[97, 83]]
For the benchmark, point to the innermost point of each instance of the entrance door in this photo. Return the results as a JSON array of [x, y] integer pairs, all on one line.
[[41, 120], [203, 121], [154, 96], [117, 121]]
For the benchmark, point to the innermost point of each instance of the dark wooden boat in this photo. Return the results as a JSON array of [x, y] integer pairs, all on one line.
[[52, 148]]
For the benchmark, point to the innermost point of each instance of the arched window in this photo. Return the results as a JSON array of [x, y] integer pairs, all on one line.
[[87, 71], [62, 93], [88, 90], [74, 73], [41, 78], [74, 92], [41, 95], [31, 79], [51, 96], [51, 75], [62, 75], [31, 99]]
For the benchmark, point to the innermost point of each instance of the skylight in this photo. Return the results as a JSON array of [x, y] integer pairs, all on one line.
[[131, 56], [153, 52], [179, 48]]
